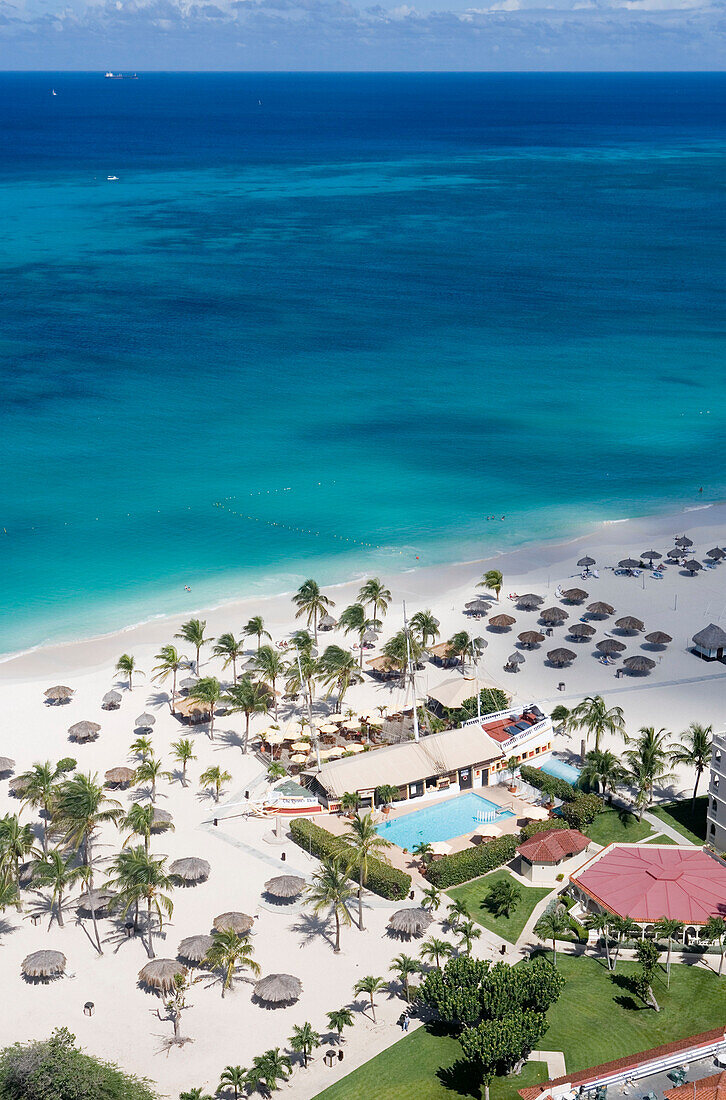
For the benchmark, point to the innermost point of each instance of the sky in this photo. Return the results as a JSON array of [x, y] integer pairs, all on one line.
[[353, 34]]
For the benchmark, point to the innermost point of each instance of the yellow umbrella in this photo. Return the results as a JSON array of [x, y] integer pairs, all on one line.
[[291, 735], [272, 737], [299, 758], [353, 724], [356, 748], [328, 754], [336, 718], [301, 746], [329, 728]]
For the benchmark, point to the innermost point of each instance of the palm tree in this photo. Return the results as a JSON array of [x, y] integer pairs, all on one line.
[[170, 662], [602, 770], [467, 932], [365, 843], [402, 648], [195, 1094], [271, 666], [552, 925], [462, 645], [276, 770], [338, 1019], [648, 761], [600, 922], [59, 871], [248, 698], [229, 953], [302, 641], [149, 771], [234, 1078], [39, 788], [456, 912], [331, 889], [434, 950], [304, 1040], [301, 674], [255, 628], [694, 751], [425, 625], [140, 877], [596, 719], [142, 747], [16, 842], [668, 929], [183, 751], [354, 620], [715, 929], [493, 580], [338, 671], [209, 692], [192, 632], [561, 717], [139, 821], [312, 603], [370, 985], [350, 802], [126, 665], [230, 649], [215, 778], [423, 852], [375, 593], [269, 1069], [8, 895], [625, 929], [431, 899], [403, 966]]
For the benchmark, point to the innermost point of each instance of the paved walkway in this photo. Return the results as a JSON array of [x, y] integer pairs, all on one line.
[[555, 1060]]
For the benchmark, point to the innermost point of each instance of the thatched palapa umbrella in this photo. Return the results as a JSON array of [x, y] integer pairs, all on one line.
[[59, 694], [233, 922], [111, 700], [675, 553], [278, 989], [554, 615], [586, 562], [81, 732], [410, 922], [529, 601], [285, 887], [515, 658], [43, 965], [17, 786], [159, 974], [327, 622], [561, 657], [629, 563], [530, 638], [658, 637], [638, 663], [145, 721], [191, 869], [574, 595], [581, 631], [600, 609], [120, 777], [610, 646], [693, 566], [6, 765], [651, 556], [629, 624], [717, 554], [162, 820], [477, 607], [684, 542], [502, 622], [95, 901], [194, 948]]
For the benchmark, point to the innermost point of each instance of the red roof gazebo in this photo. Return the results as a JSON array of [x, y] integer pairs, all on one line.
[[553, 846]]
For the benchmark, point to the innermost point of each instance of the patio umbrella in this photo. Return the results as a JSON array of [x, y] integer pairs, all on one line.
[[610, 646], [285, 886], [529, 601], [658, 637], [585, 562], [581, 631], [195, 948], [600, 609], [111, 700], [190, 869], [44, 965], [716, 554], [560, 657], [684, 541], [410, 922], [58, 694], [531, 637], [675, 553], [693, 566], [327, 622], [84, 731], [301, 746], [554, 615], [17, 786], [291, 734], [651, 555], [329, 727], [189, 682], [515, 658], [356, 748], [278, 989], [6, 764], [638, 663], [299, 758], [336, 717], [502, 622], [95, 901], [477, 607], [369, 637], [629, 624], [574, 595], [159, 974], [145, 721], [629, 563], [162, 820], [272, 737], [234, 922], [120, 777]]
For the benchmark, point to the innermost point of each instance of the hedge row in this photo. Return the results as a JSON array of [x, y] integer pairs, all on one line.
[[548, 784], [383, 879], [535, 827], [583, 811], [471, 862]]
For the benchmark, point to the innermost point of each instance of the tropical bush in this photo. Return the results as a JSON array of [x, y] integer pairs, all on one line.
[[491, 700], [384, 880], [582, 811], [535, 827], [471, 862], [548, 784], [55, 1069]]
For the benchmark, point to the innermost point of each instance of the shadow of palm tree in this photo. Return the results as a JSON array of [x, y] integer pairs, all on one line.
[[312, 925], [229, 738]]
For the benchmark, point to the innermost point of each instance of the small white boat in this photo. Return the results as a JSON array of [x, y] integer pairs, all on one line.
[[54, 92], [111, 177]]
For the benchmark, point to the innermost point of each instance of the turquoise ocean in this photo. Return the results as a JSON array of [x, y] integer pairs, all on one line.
[[321, 325]]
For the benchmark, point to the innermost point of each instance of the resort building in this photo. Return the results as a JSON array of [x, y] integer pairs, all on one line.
[[710, 643], [716, 812], [651, 881], [555, 852], [689, 1061], [474, 755]]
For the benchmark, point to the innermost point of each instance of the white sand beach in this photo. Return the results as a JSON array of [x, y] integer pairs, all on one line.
[[128, 1024]]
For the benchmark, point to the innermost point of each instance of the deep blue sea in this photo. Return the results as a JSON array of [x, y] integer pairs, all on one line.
[[363, 312]]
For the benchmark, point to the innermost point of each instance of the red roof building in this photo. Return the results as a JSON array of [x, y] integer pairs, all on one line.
[[648, 882], [553, 846], [708, 1088]]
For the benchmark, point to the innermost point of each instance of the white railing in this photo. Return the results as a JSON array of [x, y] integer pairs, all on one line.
[[661, 1065], [485, 816]]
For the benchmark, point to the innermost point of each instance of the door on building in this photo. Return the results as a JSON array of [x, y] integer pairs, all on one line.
[[465, 780]]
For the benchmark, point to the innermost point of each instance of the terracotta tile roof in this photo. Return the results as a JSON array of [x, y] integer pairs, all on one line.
[[553, 845], [630, 1061], [708, 1088]]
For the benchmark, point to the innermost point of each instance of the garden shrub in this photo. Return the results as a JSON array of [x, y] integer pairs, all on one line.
[[535, 827], [383, 879], [582, 811], [548, 784], [471, 862]]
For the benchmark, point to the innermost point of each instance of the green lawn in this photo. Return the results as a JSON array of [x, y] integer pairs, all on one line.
[[509, 928], [680, 817], [408, 1071], [662, 839], [617, 825], [594, 1021]]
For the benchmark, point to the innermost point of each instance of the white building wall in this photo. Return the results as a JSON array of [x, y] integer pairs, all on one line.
[[716, 813]]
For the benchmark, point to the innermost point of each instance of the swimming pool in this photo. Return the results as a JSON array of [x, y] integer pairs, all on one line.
[[440, 822], [561, 770]]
